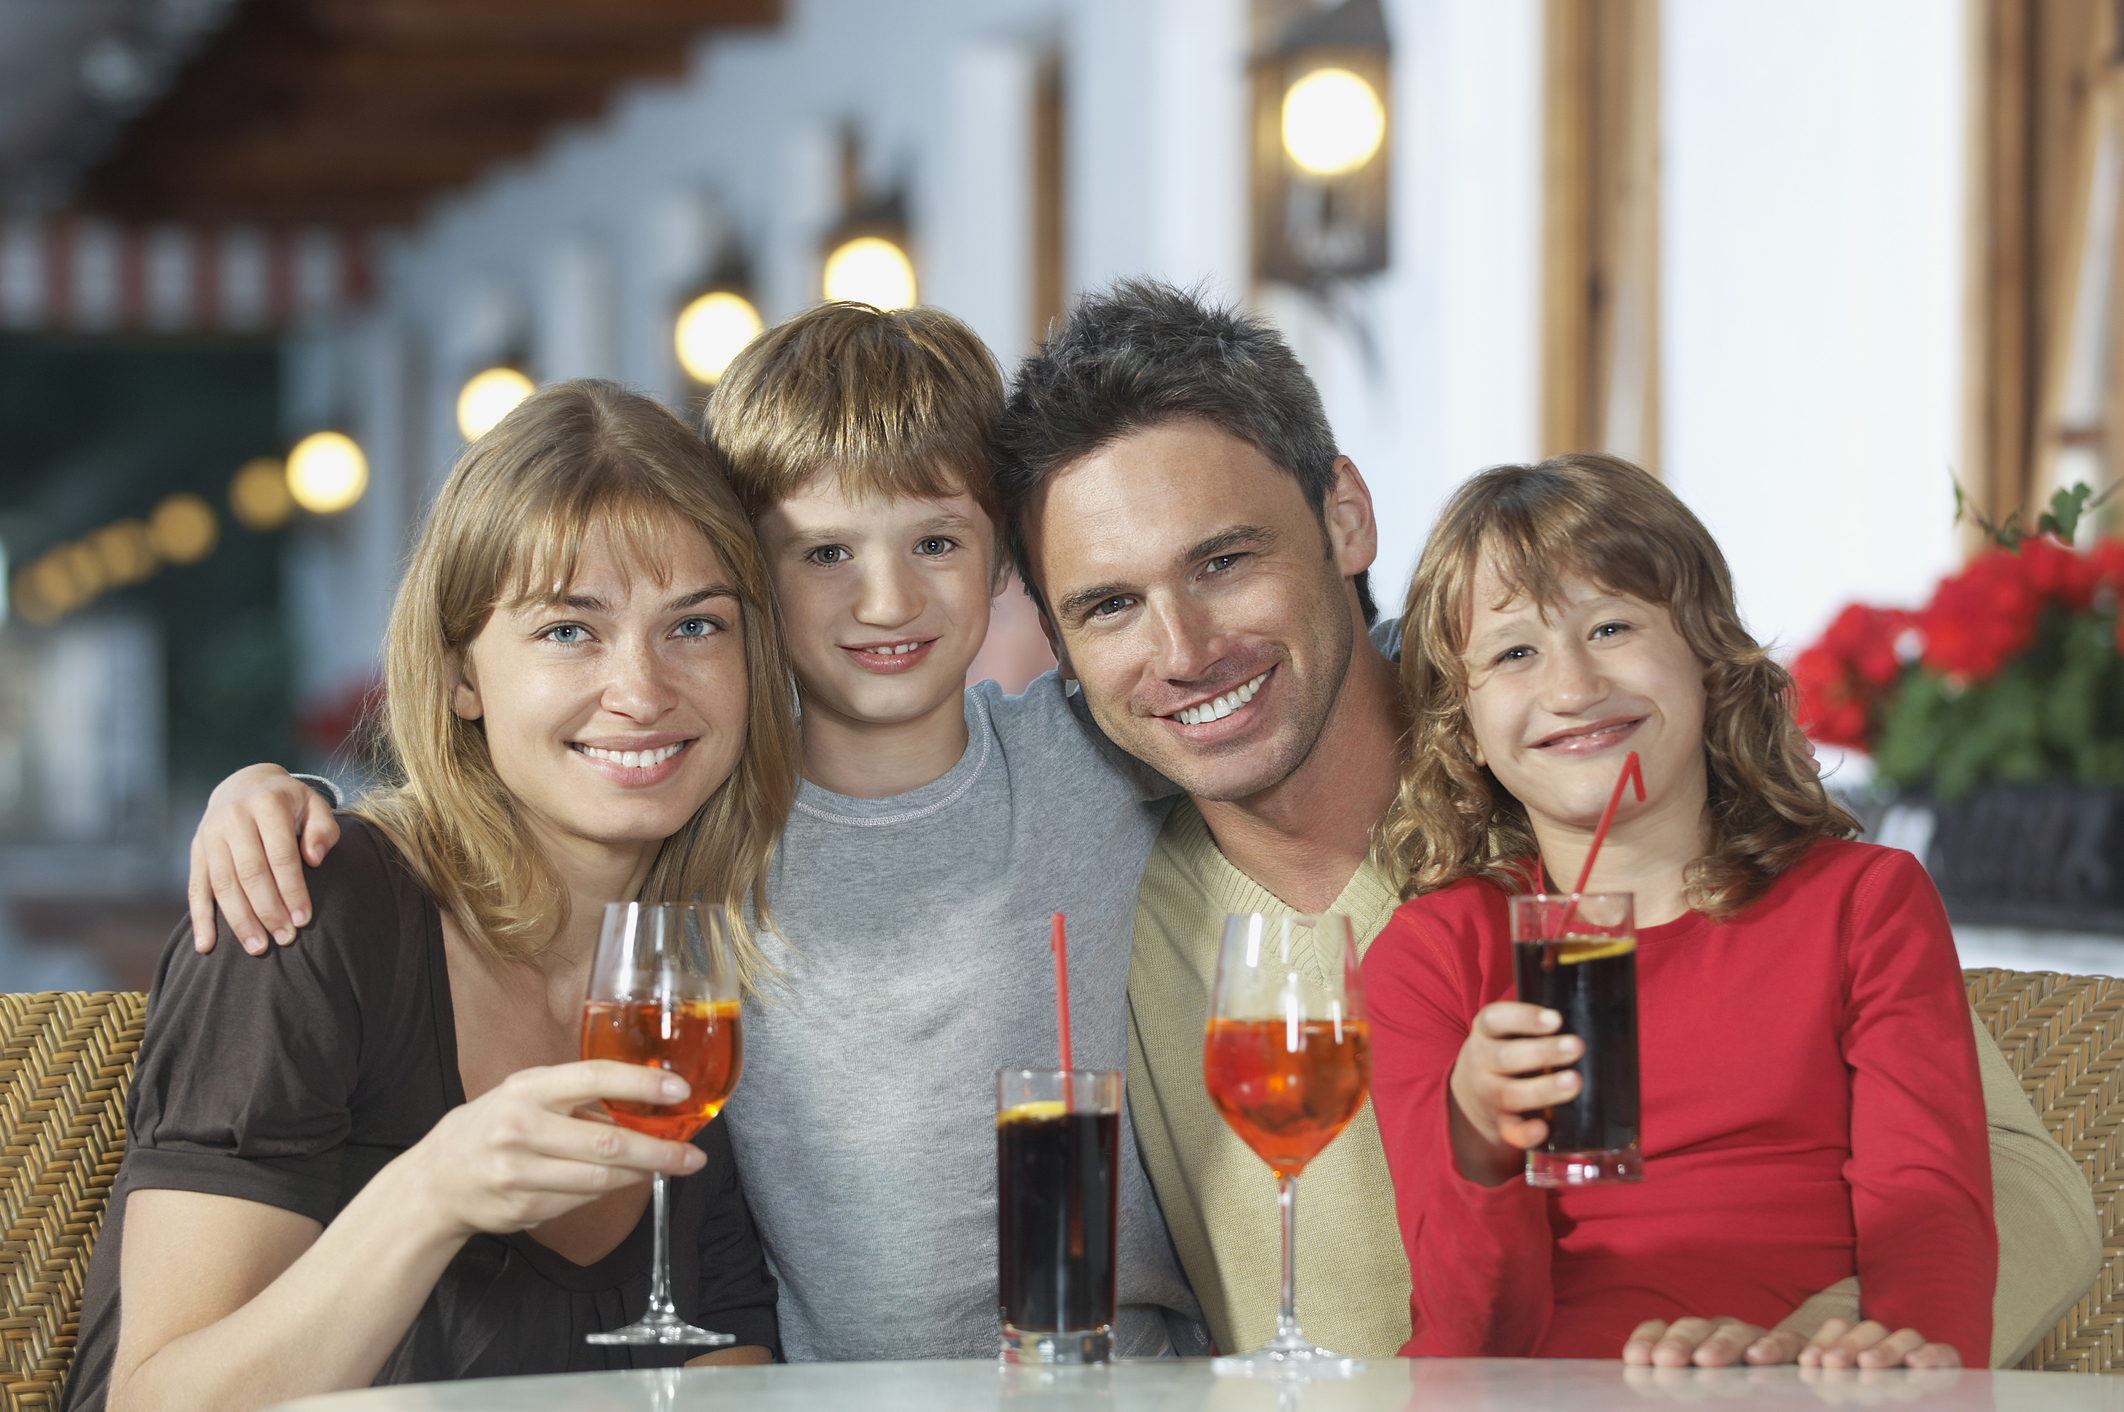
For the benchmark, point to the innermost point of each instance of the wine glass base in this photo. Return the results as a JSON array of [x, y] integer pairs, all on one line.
[[1294, 1359], [669, 1330]]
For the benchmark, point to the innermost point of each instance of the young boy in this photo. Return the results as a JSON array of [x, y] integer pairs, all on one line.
[[936, 829]]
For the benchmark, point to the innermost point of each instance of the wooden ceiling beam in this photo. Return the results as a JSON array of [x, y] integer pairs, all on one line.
[[311, 109], [534, 22]]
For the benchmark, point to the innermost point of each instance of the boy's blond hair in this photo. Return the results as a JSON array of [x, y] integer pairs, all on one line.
[[1603, 519], [507, 527], [895, 404]]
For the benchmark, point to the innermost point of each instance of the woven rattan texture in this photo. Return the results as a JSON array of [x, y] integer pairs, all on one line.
[[65, 1060], [2064, 1036]]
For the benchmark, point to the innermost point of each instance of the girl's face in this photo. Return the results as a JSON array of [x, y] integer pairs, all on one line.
[[1556, 698], [613, 713]]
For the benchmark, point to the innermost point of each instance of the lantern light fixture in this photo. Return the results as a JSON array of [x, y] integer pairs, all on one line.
[[487, 397], [1322, 133], [712, 330], [327, 472]]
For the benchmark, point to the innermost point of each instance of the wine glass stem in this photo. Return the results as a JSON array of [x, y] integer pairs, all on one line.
[[660, 1255], [1287, 1199]]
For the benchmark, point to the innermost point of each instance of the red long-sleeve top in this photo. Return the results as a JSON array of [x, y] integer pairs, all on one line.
[[1811, 1109]]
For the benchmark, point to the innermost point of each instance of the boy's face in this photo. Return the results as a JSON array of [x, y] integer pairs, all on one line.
[[886, 600]]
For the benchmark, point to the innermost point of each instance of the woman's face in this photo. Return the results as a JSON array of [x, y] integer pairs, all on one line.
[[614, 712]]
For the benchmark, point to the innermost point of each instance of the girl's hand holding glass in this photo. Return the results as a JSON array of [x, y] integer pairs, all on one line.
[[1500, 1084]]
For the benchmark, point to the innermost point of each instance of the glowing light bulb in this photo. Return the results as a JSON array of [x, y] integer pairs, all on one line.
[[1333, 122], [711, 331], [258, 494], [871, 270], [487, 397], [327, 472], [183, 529]]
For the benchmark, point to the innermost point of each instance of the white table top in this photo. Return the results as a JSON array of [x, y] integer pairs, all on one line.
[[1171, 1385]]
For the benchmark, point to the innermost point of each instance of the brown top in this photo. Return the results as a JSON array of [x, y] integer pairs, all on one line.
[[292, 1078]]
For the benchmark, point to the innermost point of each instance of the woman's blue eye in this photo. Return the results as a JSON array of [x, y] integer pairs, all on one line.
[[1515, 654], [935, 544], [567, 633], [696, 627]]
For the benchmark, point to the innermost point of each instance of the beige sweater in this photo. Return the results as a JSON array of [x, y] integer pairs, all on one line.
[[1353, 1279]]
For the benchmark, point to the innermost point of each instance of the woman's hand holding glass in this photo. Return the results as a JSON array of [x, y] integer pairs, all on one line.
[[526, 1151], [1503, 1076]]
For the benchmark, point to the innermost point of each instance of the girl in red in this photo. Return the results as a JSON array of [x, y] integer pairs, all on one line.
[[1810, 1100]]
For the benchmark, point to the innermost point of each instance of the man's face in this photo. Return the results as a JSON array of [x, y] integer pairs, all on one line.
[[1198, 603]]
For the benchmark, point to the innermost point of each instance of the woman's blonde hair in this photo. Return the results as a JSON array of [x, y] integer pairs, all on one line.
[[507, 529], [1601, 519]]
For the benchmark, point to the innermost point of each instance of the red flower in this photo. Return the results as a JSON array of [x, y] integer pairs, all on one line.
[[1982, 617], [1845, 678]]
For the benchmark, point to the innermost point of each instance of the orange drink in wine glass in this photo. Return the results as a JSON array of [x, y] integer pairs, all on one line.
[[664, 992], [1287, 1060]]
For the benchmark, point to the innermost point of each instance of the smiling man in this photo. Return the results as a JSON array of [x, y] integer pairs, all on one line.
[[1200, 553]]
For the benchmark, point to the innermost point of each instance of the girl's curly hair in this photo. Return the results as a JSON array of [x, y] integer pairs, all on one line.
[[1598, 518]]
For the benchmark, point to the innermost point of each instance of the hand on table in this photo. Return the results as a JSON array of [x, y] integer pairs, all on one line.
[[261, 825], [1838, 1344], [1709, 1343]]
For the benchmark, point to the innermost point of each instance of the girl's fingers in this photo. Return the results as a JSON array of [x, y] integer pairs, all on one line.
[[1509, 1019], [1892, 1350], [1825, 1338], [1531, 1056], [1637, 1349], [1680, 1341], [1935, 1355], [1729, 1341], [1522, 1133], [1776, 1346], [1845, 1351], [1543, 1091]]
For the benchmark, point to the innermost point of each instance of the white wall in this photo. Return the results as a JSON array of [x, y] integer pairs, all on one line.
[[1812, 220]]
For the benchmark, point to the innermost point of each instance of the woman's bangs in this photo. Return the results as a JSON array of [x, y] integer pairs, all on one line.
[[631, 518]]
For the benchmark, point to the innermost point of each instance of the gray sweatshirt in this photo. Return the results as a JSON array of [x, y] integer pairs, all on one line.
[[912, 933]]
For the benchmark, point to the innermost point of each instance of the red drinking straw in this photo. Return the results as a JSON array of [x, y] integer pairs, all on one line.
[[1632, 773], [1061, 950]]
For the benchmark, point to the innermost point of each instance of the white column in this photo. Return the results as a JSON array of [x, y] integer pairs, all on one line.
[[1812, 229], [577, 322], [979, 236], [1156, 143]]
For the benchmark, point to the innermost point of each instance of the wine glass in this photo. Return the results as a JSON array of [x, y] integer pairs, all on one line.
[[664, 992], [1287, 1060]]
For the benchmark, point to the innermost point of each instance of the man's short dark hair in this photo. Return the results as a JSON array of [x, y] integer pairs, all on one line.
[[1141, 353]]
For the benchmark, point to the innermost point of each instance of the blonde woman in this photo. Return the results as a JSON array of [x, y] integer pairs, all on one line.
[[370, 1158]]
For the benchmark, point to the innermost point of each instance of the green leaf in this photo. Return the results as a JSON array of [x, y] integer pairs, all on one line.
[[2063, 517]]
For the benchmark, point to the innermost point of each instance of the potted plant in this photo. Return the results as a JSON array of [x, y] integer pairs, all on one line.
[[1999, 708]]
